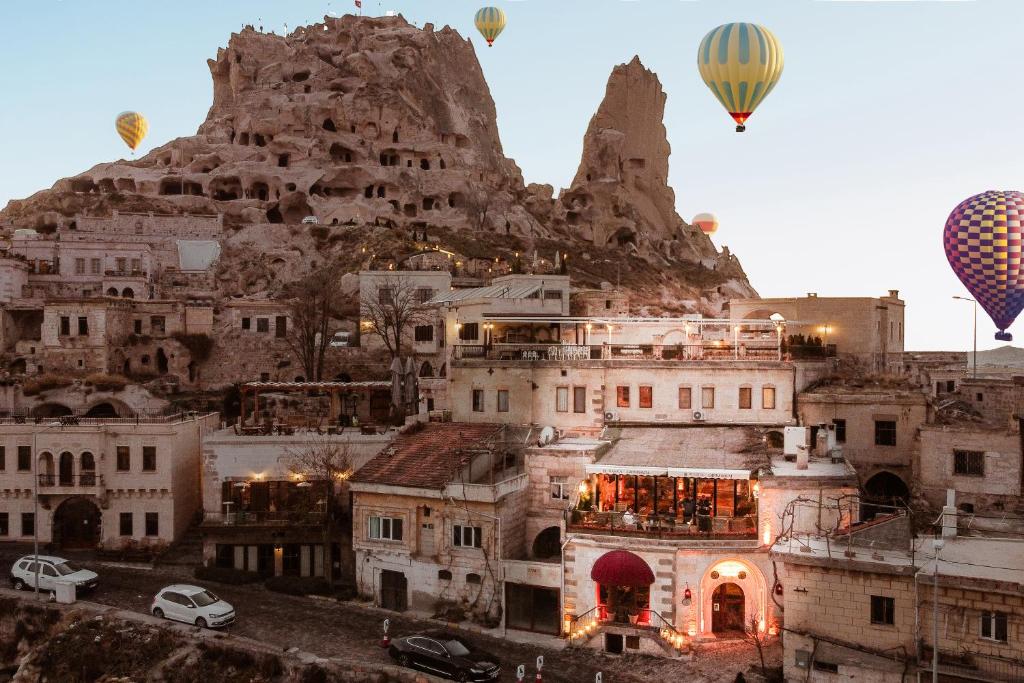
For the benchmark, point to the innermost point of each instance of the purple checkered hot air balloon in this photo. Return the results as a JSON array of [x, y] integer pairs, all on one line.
[[982, 240]]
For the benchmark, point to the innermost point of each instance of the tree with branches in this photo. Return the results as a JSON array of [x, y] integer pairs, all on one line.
[[757, 637], [392, 309], [322, 464], [312, 302]]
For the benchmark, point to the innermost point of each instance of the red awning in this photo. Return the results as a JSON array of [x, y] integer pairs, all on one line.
[[622, 568]]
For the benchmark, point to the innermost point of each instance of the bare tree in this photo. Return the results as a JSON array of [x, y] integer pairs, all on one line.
[[392, 309], [478, 205], [312, 302], [322, 464], [759, 639]]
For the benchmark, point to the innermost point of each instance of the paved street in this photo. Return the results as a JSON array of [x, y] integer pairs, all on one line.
[[351, 631]]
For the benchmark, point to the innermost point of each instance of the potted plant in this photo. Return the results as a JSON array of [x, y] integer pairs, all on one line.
[[634, 615]]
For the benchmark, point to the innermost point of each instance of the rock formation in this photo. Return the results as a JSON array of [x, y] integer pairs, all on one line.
[[374, 126]]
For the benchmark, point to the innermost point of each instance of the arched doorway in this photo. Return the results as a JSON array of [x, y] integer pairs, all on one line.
[[51, 410], [128, 293], [623, 587], [548, 543], [728, 609], [76, 524], [104, 409], [161, 362], [881, 492], [66, 469]]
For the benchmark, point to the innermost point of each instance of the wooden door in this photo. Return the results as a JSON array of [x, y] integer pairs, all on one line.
[[727, 608], [393, 590]]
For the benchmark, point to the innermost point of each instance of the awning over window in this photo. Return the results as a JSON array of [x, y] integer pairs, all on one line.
[[695, 472], [622, 568]]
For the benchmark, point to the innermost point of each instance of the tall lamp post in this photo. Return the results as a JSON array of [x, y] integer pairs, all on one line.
[[35, 498], [937, 544], [974, 372]]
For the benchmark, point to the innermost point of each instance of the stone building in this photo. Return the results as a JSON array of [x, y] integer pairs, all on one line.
[[109, 482], [434, 516]]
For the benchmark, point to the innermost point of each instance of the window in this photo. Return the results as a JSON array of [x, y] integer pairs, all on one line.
[[979, 397], [126, 523], [562, 399], [424, 333], [263, 325], [502, 400], [559, 488], [469, 332], [993, 626], [24, 458], [707, 397], [152, 523], [385, 528], [473, 578], [136, 265], [885, 432], [646, 396], [94, 266], [622, 397], [883, 610], [444, 575], [149, 458], [840, 430], [685, 398], [768, 398], [466, 536], [745, 398], [424, 294], [157, 324], [83, 325], [137, 326], [124, 458], [3, 458], [281, 326], [385, 296], [246, 323], [79, 266], [65, 326], [579, 399], [478, 400], [5, 528], [969, 463], [122, 264], [553, 294], [28, 523], [828, 667]]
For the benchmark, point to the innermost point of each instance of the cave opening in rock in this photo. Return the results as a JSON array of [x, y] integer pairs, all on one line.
[[226, 188], [442, 164], [381, 192], [368, 192], [290, 187], [259, 140], [425, 164], [300, 76], [623, 237], [260, 191], [192, 188], [410, 210], [125, 184], [428, 203], [282, 160], [243, 139], [340, 153], [274, 215], [170, 186], [107, 185], [394, 136]]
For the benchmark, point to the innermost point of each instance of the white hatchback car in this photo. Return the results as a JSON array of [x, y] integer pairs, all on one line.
[[193, 605], [52, 570]]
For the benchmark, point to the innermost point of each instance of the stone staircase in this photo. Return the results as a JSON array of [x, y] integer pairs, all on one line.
[[186, 551]]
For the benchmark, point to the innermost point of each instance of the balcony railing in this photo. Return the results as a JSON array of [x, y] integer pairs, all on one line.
[[278, 518], [702, 527], [86, 479], [755, 350]]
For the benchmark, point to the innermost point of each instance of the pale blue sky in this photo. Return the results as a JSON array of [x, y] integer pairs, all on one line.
[[887, 115]]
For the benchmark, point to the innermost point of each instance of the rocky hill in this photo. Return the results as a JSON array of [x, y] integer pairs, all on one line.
[[387, 134]]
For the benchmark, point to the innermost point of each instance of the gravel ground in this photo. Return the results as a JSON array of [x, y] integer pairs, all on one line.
[[353, 631]]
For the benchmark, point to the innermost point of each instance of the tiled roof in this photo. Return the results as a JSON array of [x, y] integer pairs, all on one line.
[[428, 458]]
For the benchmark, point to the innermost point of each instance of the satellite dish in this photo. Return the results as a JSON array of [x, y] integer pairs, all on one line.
[[777, 317], [547, 435]]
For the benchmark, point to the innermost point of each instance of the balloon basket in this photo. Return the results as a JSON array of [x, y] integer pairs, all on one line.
[[740, 128], [1004, 336]]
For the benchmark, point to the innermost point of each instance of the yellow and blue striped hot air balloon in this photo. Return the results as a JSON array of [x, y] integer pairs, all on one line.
[[740, 63], [490, 21], [132, 127]]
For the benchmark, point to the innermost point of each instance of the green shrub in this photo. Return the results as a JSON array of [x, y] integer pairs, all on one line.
[[37, 385], [299, 585], [225, 575]]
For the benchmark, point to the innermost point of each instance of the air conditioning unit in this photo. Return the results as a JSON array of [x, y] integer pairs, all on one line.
[[698, 416], [611, 416]]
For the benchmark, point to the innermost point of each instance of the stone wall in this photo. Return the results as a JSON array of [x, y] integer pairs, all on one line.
[[996, 491]]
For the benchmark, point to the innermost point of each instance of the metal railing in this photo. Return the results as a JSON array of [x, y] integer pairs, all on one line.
[[83, 479], [280, 517], [755, 350], [77, 420], [663, 526]]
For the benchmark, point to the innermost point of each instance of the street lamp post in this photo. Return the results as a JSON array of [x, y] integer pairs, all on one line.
[[937, 543], [974, 372], [35, 499]]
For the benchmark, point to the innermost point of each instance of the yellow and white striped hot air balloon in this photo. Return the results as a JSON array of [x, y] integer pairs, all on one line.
[[132, 127], [740, 63], [707, 223], [490, 21]]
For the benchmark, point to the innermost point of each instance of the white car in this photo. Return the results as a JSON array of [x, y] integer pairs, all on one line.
[[193, 605], [310, 220], [51, 571]]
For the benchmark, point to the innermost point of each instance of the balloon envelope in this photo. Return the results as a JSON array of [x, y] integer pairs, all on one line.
[[132, 127], [982, 239], [490, 21], [707, 223], [740, 63]]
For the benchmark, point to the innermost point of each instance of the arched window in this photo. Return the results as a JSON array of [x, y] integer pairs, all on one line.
[[87, 469], [66, 469], [426, 370], [444, 575], [128, 293], [112, 291], [473, 578]]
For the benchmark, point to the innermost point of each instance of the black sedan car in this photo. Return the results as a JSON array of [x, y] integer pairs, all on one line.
[[444, 654]]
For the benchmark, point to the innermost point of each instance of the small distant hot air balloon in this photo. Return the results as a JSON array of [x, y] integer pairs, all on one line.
[[740, 63], [490, 21], [132, 127], [982, 240], [707, 223]]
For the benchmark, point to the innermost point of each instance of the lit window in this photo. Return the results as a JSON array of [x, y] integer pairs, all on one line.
[[685, 398], [385, 528], [622, 397], [745, 398], [646, 396]]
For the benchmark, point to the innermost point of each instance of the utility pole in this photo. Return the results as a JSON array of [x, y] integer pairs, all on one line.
[[937, 543], [974, 372]]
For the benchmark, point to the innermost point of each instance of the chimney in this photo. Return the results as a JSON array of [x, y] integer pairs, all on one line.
[[949, 515], [802, 453], [894, 294]]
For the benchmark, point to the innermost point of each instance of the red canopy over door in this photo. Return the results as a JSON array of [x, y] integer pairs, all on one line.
[[622, 568]]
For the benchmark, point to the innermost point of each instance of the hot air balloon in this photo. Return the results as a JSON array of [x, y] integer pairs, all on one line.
[[132, 127], [707, 223], [740, 63], [982, 240], [490, 21]]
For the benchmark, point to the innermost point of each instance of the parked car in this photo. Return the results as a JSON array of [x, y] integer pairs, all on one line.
[[310, 220], [192, 605], [51, 571], [446, 655], [341, 338]]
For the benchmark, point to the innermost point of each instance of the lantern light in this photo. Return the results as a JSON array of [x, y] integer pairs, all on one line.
[[778, 588], [687, 594]]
